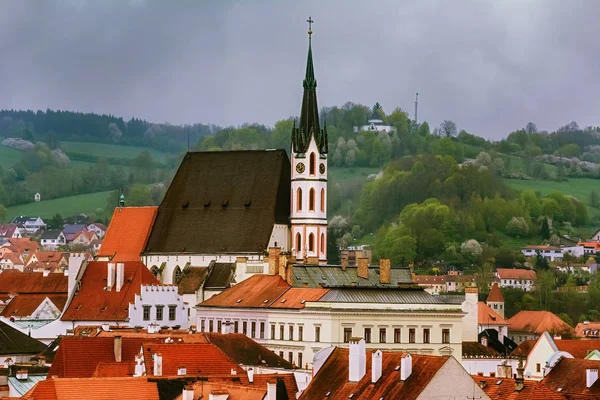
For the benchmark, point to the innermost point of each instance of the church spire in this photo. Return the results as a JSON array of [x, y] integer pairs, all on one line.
[[309, 115]]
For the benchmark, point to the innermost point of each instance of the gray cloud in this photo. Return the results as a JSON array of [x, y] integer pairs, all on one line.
[[490, 66]]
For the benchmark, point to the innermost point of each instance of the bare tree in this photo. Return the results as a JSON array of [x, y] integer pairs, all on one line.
[[448, 128], [530, 128]]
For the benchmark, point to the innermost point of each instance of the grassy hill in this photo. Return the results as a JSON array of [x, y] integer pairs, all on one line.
[[65, 206]]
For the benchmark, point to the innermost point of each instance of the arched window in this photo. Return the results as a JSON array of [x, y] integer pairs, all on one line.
[[177, 274], [299, 199], [155, 271], [311, 242], [298, 243], [322, 243], [322, 200], [311, 200], [313, 162]]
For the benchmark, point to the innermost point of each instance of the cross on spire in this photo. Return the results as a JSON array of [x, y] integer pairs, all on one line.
[[310, 22]]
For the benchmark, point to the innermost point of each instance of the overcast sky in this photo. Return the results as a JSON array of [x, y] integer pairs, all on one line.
[[491, 66]]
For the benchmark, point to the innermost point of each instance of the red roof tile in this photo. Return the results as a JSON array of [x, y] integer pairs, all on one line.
[[570, 375], [588, 329], [577, 348], [524, 348], [487, 316], [15, 258], [537, 322], [495, 294], [23, 245], [261, 291], [245, 350], [46, 256], [192, 279], [333, 377], [93, 303], [510, 273], [541, 247], [23, 305], [35, 282], [114, 369], [94, 389], [204, 390], [127, 233]]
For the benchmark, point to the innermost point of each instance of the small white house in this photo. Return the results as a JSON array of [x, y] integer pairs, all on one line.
[[31, 224], [53, 239], [374, 125], [37, 197], [158, 305]]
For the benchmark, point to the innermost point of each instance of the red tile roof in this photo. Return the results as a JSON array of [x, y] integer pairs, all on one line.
[[495, 294], [93, 303], [79, 357], [261, 291], [192, 279], [46, 256], [34, 282], [94, 389], [245, 350], [487, 316], [127, 233], [114, 369], [541, 247], [23, 305], [204, 390], [23, 245], [510, 273], [504, 388], [333, 377], [88, 235], [15, 258], [577, 348], [537, 322], [524, 348], [588, 329], [570, 375]]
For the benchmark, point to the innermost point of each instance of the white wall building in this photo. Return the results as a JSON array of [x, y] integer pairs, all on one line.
[[158, 305], [375, 125], [523, 279]]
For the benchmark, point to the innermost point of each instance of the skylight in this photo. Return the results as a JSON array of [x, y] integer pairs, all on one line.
[[283, 301], [239, 301]]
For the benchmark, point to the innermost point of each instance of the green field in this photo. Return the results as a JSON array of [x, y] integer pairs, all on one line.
[[9, 156], [110, 150], [65, 206]]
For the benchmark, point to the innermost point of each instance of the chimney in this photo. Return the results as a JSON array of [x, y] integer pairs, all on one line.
[[188, 393], [376, 365], [22, 374], [519, 381], [139, 365], [363, 268], [120, 276], [118, 347], [357, 359], [405, 367], [290, 273], [271, 390], [344, 263], [591, 376], [181, 371], [110, 278], [46, 271], [157, 364], [385, 270], [251, 375]]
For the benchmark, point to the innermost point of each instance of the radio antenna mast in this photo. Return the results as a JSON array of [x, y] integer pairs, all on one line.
[[416, 106]]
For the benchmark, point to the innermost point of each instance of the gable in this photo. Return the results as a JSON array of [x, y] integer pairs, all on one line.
[[452, 375]]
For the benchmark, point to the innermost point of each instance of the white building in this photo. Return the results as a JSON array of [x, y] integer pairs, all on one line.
[[53, 239], [158, 305], [31, 224], [523, 279], [375, 125]]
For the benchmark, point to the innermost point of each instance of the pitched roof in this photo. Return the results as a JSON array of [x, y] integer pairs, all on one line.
[[537, 322], [106, 369], [315, 276], [514, 273], [220, 275], [504, 388], [8, 230], [191, 280], [22, 219], [474, 349], [23, 245], [74, 228], [13, 341], [127, 233], [570, 375], [223, 202], [487, 316], [23, 305], [246, 351], [89, 235], [94, 389], [333, 377], [51, 234], [540, 247], [32, 282], [93, 303], [79, 356], [13, 258], [588, 329], [47, 256], [577, 348], [495, 295], [524, 348]]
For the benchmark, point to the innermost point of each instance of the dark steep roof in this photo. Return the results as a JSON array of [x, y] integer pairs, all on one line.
[[220, 275], [13, 341], [51, 234], [223, 202]]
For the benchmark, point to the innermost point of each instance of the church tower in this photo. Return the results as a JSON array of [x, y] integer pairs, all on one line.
[[309, 174]]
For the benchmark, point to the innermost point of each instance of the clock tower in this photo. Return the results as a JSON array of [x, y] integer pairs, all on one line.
[[309, 173]]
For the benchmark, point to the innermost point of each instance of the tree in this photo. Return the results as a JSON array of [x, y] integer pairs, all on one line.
[[541, 262], [471, 249], [448, 128], [545, 229], [3, 213], [114, 132], [280, 136], [56, 222], [139, 195], [517, 227], [423, 129], [484, 277], [594, 199], [530, 128]]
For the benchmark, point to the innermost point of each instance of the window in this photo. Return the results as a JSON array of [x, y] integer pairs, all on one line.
[[311, 200], [397, 335], [155, 271], [146, 313], [300, 333], [262, 330], [202, 327], [219, 326], [245, 328], [445, 335], [322, 200], [411, 335], [236, 326], [347, 335], [159, 313], [172, 312], [299, 360], [538, 367], [281, 354], [210, 325], [311, 242], [177, 274], [367, 335], [298, 243], [426, 335], [382, 335], [281, 329], [317, 333], [291, 328], [313, 163], [253, 331], [299, 199], [322, 243], [291, 357], [495, 306], [273, 331]]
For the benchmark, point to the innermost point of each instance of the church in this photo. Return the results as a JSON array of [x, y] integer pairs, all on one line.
[[223, 207]]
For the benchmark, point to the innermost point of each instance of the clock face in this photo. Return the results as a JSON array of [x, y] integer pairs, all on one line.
[[322, 168], [300, 168]]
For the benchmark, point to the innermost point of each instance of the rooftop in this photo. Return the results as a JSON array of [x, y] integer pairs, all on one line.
[[569, 375], [33, 282], [94, 389], [315, 276], [537, 322], [23, 305], [13, 342], [495, 295], [487, 316], [514, 273]]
